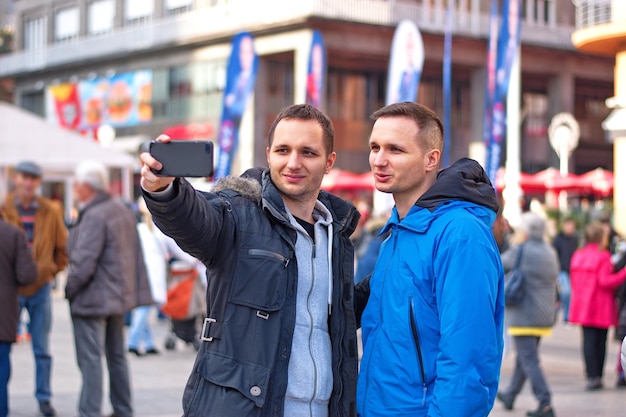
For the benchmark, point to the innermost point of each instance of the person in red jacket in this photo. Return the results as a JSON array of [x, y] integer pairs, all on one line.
[[593, 303]]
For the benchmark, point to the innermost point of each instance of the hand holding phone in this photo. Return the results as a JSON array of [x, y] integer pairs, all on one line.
[[183, 158], [149, 180]]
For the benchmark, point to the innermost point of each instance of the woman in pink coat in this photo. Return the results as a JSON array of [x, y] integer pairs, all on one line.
[[593, 302]]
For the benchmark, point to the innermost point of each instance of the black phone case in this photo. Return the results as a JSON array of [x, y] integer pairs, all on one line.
[[183, 158]]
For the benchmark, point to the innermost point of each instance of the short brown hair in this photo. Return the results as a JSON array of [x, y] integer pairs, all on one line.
[[594, 232], [430, 126], [306, 112]]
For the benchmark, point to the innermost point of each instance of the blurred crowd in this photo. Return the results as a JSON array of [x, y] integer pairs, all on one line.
[[120, 272]]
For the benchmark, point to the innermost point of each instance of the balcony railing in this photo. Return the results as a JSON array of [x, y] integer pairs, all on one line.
[[592, 12], [225, 19]]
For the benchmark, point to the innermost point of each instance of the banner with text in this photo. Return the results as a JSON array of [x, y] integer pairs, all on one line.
[[316, 72], [405, 63], [240, 79], [497, 87]]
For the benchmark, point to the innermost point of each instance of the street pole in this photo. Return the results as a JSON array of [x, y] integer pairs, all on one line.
[[512, 192]]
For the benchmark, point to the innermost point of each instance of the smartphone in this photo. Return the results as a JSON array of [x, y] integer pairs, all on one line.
[[183, 158]]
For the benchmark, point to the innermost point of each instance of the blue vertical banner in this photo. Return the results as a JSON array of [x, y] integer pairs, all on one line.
[[240, 79], [405, 63], [493, 156], [316, 72], [447, 85], [508, 45]]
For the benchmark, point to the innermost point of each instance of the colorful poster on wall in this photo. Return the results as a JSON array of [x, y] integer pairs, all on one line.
[[240, 79], [405, 63], [63, 105], [120, 100], [316, 71]]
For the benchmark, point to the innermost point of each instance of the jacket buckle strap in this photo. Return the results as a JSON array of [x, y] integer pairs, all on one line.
[[206, 335], [263, 314]]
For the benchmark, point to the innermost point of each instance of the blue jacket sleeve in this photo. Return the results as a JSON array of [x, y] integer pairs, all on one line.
[[469, 282]]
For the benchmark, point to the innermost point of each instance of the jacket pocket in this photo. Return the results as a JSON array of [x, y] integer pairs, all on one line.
[[261, 280], [225, 387]]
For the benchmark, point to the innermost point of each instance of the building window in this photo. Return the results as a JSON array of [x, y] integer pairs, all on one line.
[[35, 34], [173, 7], [66, 24], [138, 11], [192, 92], [542, 12], [34, 102], [100, 16], [280, 85]]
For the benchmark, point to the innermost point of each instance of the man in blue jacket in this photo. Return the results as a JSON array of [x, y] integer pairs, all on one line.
[[432, 327]]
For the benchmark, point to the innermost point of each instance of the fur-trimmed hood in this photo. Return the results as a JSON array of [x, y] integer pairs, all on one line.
[[256, 185]]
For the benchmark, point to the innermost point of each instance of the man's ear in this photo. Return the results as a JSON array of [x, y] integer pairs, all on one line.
[[432, 159], [330, 161]]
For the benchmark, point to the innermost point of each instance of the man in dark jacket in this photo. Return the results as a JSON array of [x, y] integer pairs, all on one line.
[[565, 243], [280, 336], [106, 278], [17, 268]]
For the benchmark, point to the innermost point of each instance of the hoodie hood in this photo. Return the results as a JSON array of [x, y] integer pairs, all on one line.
[[464, 180], [464, 185]]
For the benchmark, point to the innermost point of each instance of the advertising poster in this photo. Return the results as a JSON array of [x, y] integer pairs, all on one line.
[[121, 100], [405, 63], [63, 105], [507, 46], [240, 79], [316, 72]]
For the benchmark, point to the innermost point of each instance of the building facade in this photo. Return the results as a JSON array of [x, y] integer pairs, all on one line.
[[601, 29], [185, 44]]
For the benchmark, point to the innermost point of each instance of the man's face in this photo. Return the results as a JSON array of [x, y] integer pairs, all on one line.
[[26, 185], [400, 166], [569, 227], [81, 192], [297, 159]]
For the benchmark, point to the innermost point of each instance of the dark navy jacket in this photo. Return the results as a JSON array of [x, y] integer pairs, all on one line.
[[242, 233]]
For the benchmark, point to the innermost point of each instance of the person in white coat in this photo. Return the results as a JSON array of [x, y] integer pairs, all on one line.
[[156, 266]]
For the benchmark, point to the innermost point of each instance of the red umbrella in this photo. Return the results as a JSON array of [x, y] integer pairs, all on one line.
[[549, 179], [340, 180], [599, 181]]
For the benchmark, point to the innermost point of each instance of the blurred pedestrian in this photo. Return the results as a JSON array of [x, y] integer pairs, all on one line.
[[42, 220], [106, 278], [593, 303], [533, 318], [140, 340], [565, 243], [620, 329], [432, 328], [17, 268], [367, 251], [623, 354]]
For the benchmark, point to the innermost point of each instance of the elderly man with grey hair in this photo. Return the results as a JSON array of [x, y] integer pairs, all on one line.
[[106, 278]]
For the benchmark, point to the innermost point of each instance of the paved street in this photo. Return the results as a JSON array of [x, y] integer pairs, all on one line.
[[158, 381]]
